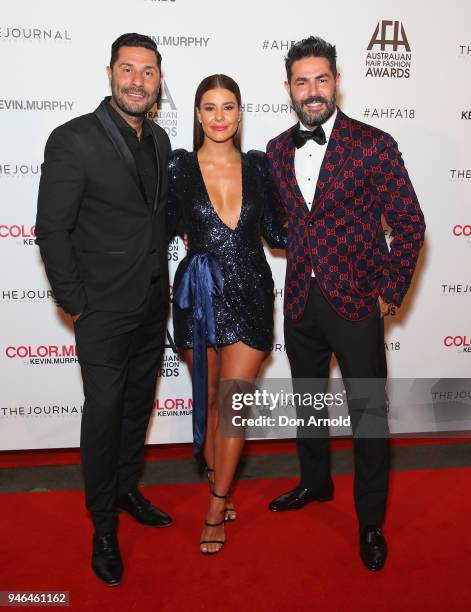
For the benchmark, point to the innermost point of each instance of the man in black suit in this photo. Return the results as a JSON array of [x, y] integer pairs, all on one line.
[[101, 231]]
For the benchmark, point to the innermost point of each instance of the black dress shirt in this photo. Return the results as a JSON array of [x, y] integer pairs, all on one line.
[[143, 151]]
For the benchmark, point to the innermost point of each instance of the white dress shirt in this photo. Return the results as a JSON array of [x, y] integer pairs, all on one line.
[[308, 161]]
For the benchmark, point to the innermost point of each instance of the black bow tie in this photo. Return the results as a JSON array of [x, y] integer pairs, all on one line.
[[300, 137]]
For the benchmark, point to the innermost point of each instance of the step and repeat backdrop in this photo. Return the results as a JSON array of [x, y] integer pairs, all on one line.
[[405, 68]]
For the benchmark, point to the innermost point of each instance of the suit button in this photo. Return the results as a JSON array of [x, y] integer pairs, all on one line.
[[153, 251]]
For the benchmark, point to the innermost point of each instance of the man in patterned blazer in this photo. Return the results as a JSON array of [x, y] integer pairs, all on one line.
[[336, 177]]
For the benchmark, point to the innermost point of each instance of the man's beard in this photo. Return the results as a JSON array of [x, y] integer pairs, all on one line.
[[135, 109], [313, 119]]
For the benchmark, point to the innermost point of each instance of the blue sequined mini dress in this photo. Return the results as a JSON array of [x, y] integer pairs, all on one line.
[[244, 310]]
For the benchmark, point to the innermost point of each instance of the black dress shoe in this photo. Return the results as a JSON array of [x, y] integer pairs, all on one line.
[[373, 548], [298, 498], [143, 511], [106, 559]]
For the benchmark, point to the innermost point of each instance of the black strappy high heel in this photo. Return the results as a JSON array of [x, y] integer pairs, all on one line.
[[222, 542]]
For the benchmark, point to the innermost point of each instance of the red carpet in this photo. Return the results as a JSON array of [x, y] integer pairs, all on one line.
[[303, 560], [68, 456]]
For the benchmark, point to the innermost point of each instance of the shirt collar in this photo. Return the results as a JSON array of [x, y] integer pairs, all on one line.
[[328, 126], [123, 124]]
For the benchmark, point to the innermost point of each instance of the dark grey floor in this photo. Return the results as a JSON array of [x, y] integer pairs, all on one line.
[[61, 477]]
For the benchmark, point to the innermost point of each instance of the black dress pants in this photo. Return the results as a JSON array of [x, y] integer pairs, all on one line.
[[119, 355], [359, 350]]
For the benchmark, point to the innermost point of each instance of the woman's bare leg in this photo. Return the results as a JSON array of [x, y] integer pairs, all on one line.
[[214, 367], [238, 362]]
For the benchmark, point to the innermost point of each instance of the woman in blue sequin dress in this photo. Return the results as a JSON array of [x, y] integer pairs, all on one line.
[[223, 290]]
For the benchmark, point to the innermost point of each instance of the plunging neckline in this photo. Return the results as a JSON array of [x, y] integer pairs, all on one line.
[[205, 189]]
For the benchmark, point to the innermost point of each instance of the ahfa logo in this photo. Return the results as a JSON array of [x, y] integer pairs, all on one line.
[[170, 344], [166, 97], [393, 59], [173, 249], [396, 41], [165, 113]]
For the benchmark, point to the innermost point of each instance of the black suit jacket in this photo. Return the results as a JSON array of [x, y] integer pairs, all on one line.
[[95, 231]]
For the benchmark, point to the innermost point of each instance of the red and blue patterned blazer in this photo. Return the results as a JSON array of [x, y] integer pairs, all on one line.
[[361, 178]]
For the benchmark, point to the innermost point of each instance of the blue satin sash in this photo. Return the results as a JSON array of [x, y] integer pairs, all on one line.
[[201, 281]]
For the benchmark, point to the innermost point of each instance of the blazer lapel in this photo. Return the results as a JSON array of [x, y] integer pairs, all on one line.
[[158, 156], [287, 161], [117, 140], [338, 152]]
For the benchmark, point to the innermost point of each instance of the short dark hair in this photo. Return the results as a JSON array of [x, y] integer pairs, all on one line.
[[214, 81], [314, 46], [134, 40]]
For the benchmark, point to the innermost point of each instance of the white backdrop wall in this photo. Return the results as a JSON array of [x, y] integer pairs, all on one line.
[[54, 55]]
